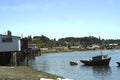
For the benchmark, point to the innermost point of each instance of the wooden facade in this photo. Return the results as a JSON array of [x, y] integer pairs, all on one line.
[[9, 43]]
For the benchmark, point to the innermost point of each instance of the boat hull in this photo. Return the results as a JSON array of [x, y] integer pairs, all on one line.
[[73, 63], [103, 62], [118, 63]]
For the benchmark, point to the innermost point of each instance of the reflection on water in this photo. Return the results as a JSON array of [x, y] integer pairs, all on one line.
[[96, 72], [101, 71], [105, 70]]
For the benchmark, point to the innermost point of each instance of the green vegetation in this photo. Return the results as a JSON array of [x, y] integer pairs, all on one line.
[[44, 42], [41, 41], [79, 41]]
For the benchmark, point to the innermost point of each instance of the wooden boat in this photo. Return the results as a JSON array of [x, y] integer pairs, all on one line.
[[118, 63], [102, 60], [73, 62]]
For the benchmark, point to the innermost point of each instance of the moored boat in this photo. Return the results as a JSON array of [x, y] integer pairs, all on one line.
[[73, 62], [102, 60], [118, 63]]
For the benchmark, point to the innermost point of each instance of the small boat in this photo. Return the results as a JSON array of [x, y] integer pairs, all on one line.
[[118, 63], [73, 62], [102, 60]]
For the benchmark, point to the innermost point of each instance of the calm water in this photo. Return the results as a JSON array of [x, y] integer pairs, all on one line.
[[59, 64]]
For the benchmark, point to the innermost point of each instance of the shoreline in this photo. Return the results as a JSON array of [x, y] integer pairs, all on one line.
[[23, 73], [62, 51]]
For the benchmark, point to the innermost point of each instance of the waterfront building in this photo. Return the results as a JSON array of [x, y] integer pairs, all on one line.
[[9, 43]]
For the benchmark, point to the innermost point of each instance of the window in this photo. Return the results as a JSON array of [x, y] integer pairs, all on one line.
[[7, 39]]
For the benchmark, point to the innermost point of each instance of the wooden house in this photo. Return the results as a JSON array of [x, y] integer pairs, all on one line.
[[10, 46], [9, 43]]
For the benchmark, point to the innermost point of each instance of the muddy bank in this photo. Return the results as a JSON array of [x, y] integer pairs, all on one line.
[[22, 73]]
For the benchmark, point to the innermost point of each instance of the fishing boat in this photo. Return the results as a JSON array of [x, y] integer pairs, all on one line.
[[102, 60], [118, 63]]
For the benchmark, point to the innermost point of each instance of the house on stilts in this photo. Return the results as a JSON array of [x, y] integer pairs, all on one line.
[[13, 50]]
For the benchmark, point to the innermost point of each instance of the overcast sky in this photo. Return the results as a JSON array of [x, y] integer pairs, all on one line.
[[61, 18]]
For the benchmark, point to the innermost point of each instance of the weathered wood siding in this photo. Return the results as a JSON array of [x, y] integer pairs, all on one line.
[[9, 43]]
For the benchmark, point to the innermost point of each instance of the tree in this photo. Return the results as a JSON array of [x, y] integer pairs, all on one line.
[[29, 38]]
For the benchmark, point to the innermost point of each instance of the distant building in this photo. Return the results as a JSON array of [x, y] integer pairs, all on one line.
[[9, 43], [44, 49], [112, 46], [94, 46], [75, 47], [32, 46], [61, 48]]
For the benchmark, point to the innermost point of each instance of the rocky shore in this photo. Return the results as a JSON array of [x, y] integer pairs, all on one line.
[[22, 73]]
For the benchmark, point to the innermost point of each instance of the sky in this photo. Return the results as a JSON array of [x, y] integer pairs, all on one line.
[[61, 18]]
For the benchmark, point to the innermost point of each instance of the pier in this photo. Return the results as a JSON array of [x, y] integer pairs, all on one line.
[[17, 58]]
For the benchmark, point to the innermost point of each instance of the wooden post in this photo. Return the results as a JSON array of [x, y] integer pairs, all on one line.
[[13, 58]]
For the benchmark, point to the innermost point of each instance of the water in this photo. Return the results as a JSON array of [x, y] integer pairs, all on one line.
[[59, 64]]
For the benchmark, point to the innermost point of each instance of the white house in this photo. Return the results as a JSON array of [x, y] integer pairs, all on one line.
[[75, 47], [93, 46], [9, 43]]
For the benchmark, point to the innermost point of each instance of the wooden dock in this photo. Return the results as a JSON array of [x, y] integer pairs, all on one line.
[[17, 58]]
